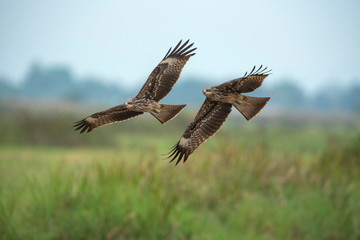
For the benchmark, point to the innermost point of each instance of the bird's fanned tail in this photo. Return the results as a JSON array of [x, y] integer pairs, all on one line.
[[167, 112], [249, 107]]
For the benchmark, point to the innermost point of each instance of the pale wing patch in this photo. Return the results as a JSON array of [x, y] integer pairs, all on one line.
[[90, 120], [168, 60], [183, 142]]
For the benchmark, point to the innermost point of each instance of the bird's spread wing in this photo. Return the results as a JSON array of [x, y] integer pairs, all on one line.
[[112, 115], [249, 82], [167, 72], [206, 123]]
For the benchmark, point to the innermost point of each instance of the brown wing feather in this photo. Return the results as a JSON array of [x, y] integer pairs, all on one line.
[[167, 72], [207, 122], [112, 115], [249, 82]]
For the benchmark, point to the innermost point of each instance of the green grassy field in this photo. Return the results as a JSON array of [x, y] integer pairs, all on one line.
[[260, 180]]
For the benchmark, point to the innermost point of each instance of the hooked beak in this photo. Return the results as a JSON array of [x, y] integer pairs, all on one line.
[[125, 104], [204, 91]]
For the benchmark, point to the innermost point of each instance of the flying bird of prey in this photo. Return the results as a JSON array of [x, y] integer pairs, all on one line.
[[157, 86], [216, 108]]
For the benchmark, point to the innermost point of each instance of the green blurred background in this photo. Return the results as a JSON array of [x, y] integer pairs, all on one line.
[[293, 172]]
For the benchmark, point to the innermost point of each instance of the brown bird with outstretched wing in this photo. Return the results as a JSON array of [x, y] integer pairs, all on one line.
[[217, 107], [158, 85]]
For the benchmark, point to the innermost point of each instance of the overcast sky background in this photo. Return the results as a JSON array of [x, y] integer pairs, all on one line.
[[312, 42]]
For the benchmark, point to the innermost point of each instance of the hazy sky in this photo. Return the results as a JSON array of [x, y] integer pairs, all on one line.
[[313, 42]]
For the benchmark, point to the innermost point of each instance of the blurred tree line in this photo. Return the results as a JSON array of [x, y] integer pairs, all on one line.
[[58, 83]]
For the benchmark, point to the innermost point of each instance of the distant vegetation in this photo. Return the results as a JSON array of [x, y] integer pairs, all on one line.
[[58, 83], [267, 179], [293, 176]]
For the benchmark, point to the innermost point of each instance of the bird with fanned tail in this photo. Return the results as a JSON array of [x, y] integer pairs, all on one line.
[[158, 85], [217, 107]]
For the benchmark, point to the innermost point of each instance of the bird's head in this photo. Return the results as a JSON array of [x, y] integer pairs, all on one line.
[[129, 103], [208, 91]]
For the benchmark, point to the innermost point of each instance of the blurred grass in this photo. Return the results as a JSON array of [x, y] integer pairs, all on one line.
[[260, 180]]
